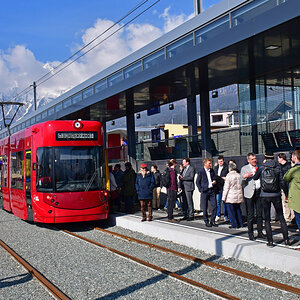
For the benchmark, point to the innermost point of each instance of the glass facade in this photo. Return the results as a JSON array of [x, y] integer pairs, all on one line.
[[180, 46], [58, 107], [133, 69], [67, 102], [272, 119], [251, 10], [154, 59], [212, 30], [114, 79], [88, 92], [100, 86], [76, 98]]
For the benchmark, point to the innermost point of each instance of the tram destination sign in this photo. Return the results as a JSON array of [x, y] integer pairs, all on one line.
[[76, 136]]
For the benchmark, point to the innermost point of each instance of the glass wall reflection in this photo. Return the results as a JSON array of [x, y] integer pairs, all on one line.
[[277, 114]]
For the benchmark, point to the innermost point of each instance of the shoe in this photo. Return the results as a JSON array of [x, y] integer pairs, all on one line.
[[173, 221], [217, 219], [214, 224], [190, 218], [208, 224], [226, 219], [143, 220], [287, 242], [261, 235], [231, 227], [184, 218], [149, 219], [251, 237], [270, 244]]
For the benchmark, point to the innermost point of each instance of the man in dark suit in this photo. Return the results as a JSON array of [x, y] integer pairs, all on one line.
[[205, 183], [221, 170], [187, 185]]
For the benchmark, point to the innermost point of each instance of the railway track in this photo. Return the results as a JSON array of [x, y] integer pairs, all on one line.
[[157, 268], [228, 270], [210, 264], [53, 289]]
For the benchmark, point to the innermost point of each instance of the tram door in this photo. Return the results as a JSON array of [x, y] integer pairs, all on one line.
[[1, 179], [28, 185]]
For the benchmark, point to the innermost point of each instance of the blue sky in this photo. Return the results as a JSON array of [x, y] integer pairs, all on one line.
[[36, 36], [49, 28]]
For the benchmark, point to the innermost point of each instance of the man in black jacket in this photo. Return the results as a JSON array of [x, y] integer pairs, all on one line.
[[205, 183], [271, 179], [187, 185], [221, 170], [285, 166]]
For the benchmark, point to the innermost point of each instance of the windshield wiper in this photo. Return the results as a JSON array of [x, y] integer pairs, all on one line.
[[92, 179]]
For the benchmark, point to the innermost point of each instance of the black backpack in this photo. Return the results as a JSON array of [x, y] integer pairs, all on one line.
[[269, 180], [165, 178]]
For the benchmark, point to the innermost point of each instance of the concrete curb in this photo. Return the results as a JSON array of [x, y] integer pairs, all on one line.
[[216, 243]]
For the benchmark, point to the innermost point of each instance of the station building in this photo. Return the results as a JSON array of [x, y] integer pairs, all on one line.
[[253, 44]]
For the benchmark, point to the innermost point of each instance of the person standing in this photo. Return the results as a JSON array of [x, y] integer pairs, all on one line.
[[251, 189], [221, 170], [172, 189], [285, 166], [271, 183], [144, 186], [187, 185], [205, 182], [113, 189], [157, 188], [233, 196], [118, 173], [128, 187], [293, 177]]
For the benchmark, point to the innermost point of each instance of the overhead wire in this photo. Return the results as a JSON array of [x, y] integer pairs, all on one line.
[[28, 89], [70, 63], [102, 33]]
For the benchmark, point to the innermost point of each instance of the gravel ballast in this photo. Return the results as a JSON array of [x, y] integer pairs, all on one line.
[[85, 271]]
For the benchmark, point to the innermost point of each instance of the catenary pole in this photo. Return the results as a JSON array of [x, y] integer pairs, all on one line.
[[198, 7], [34, 94]]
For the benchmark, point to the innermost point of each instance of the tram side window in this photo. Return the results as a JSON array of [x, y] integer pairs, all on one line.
[[4, 171], [28, 166], [17, 170], [44, 182]]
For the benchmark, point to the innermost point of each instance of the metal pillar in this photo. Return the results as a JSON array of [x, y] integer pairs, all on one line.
[[130, 122], [205, 110], [253, 106], [34, 94], [104, 133], [192, 115], [198, 7]]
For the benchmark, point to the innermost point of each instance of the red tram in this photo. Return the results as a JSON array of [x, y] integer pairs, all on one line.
[[55, 172]]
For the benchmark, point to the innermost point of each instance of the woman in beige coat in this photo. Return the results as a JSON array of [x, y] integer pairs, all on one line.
[[233, 196]]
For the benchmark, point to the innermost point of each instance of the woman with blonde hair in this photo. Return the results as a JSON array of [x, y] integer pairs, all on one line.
[[233, 196]]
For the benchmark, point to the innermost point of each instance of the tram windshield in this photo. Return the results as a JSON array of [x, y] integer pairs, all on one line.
[[69, 169]]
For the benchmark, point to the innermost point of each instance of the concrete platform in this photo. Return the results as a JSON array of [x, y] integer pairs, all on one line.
[[220, 241]]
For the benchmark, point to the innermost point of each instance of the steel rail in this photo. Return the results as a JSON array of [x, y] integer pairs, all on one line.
[[54, 290], [157, 268], [213, 265]]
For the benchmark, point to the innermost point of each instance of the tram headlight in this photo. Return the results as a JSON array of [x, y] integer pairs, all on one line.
[[77, 124]]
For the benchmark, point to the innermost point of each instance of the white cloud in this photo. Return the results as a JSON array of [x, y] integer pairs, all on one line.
[[139, 35], [172, 21], [19, 67]]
